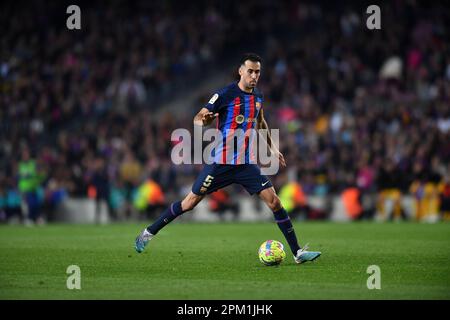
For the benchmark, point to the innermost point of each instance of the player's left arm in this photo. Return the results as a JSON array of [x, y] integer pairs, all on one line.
[[262, 124]]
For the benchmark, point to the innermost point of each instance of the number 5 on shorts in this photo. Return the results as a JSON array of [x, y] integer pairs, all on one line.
[[208, 181]]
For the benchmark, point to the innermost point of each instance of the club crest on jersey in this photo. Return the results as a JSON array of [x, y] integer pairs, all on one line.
[[239, 119]]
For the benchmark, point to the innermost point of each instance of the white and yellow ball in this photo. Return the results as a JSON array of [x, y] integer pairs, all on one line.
[[271, 253]]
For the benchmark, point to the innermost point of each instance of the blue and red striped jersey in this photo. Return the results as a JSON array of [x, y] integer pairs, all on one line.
[[238, 112]]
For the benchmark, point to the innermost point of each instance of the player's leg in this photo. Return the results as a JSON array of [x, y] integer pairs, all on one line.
[[283, 221], [174, 210], [251, 178], [210, 179], [171, 213]]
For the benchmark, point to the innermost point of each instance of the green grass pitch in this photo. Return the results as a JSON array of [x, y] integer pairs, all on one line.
[[220, 261]]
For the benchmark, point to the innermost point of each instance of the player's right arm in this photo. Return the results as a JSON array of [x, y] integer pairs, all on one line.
[[204, 117], [262, 124], [209, 112]]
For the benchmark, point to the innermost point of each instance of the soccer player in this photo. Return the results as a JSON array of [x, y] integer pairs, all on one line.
[[239, 105]]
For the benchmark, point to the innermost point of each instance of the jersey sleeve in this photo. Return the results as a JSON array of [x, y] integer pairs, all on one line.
[[259, 101], [261, 96], [215, 102]]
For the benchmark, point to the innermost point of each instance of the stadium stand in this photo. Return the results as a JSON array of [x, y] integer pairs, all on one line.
[[357, 109]]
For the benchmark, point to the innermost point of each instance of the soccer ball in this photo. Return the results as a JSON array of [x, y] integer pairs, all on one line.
[[271, 252]]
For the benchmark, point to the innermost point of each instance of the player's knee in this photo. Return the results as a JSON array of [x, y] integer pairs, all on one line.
[[275, 204], [188, 205], [190, 202]]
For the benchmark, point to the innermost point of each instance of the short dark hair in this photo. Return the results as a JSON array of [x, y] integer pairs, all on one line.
[[250, 56]]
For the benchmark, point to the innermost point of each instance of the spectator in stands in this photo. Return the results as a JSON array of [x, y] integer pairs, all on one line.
[[130, 172], [444, 195], [351, 197], [390, 182], [425, 189], [30, 180], [150, 199], [99, 180], [13, 201], [220, 202], [294, 200]]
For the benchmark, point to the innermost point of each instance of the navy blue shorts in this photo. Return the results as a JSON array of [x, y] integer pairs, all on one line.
[[216, 176]]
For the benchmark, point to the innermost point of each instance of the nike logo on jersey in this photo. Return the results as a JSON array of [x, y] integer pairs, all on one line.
[[263, 184]]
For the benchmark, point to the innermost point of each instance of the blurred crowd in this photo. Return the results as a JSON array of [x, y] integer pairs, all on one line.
[[361, 112], [365, 109]]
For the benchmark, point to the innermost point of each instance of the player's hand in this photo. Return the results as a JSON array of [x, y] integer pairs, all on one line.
[[208, 118]]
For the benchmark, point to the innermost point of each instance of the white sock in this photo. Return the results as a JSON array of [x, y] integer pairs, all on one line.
[[147, 233]]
